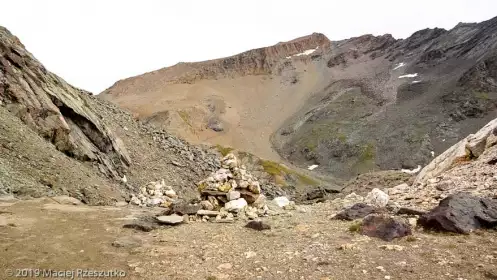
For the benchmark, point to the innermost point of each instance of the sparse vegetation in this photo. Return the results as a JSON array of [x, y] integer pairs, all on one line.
[[411, 238], [186, 118], [368, 152], [279, 171], [355, 226], [224, 150], [481, 95]]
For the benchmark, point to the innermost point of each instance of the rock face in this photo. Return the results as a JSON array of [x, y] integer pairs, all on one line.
[[54, 109], [461, 213]]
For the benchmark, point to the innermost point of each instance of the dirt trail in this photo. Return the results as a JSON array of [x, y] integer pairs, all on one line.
[[46, 235]]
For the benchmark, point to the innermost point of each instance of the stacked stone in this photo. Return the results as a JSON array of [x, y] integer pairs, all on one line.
[[232, 190], [155, 194]]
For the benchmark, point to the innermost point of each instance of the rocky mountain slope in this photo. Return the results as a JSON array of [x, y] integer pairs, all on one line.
[[352, 106], [57, 139]]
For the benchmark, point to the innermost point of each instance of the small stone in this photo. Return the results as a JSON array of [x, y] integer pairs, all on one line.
[[381, 268], [260, 202], [250, 254], [171, 193], [121, 204], [250, 197], [154, 201], [170, 220], [255, 187], [142, 226], [184, 208], [236, 205], [233, 195], [208, 213], [377, 198], [135, 200], [413, 222], [347, 246], [251, 213], [244, 184], [281, 201], [127, 242], [258, 225], [387, 277], [225, 266], [206, 205], [392, 247]]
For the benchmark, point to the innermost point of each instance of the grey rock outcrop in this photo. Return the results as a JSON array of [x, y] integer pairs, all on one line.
[[54, 109], [470, 147]]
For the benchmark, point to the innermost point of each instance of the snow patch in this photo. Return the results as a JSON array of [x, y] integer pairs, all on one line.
[[415, 82], [402, 64], [306, 52], [409, 76], [432, 154], [312, 167], [414, 171]]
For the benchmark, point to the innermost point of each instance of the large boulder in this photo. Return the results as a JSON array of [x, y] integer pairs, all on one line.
[[461, 213], [385, 227]]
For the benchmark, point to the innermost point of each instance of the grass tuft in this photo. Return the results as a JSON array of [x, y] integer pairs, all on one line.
[[224, 150], [279, 172], [355, 227]]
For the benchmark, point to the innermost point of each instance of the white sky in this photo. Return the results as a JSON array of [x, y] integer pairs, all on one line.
[[94, 43]]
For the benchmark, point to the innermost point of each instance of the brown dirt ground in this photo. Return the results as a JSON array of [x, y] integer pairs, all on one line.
[[46, 235]]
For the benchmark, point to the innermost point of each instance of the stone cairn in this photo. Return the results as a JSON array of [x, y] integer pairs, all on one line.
[[227, 194]]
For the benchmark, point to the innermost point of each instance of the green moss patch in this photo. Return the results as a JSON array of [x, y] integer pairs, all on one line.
[[279, 172], [224, 150]]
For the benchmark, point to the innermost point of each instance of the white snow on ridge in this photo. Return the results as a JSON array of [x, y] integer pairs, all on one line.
[[415, 82], [402, 64], [306, 52], [312, 167], [414, 171], [409, 76]]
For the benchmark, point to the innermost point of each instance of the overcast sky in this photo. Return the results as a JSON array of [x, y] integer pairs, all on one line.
[[94, 43]]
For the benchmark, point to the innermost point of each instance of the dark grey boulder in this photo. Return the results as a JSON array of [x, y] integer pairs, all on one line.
[[357, 211], [258, 225], [461, 213], [385, 227]]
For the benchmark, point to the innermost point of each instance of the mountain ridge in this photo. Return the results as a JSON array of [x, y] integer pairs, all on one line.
[[333, 106]]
